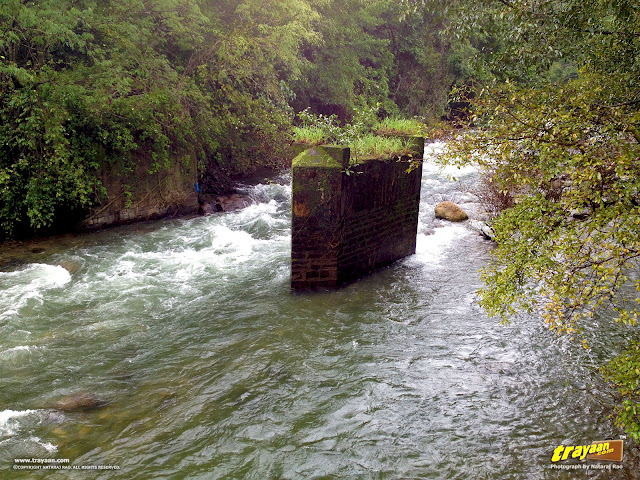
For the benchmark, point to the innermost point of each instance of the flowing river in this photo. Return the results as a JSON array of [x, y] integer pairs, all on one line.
[[210, 368]]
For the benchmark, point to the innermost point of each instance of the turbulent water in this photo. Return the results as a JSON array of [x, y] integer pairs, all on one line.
[[210, 367]]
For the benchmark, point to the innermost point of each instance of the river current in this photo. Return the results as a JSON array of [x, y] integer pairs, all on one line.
[[211, 368]]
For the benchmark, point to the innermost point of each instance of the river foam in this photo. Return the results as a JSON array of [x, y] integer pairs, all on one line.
[[18, 351], [10, 421], [29, 285]]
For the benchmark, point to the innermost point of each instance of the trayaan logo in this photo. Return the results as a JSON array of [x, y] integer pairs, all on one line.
[[605, 450]]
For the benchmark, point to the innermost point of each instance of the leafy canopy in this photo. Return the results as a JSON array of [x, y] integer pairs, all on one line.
[[86, 85], [89, 86]]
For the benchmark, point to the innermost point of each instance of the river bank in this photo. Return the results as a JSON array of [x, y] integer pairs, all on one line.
[[17, 253]]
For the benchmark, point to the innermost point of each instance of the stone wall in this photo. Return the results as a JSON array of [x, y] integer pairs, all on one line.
[[348, 221], [137, 195]]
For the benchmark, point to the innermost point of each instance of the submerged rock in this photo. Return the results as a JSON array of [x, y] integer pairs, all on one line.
[[207, 209], [70, 266], [56, 417], [450, 211], [79, 401], [235, 201]]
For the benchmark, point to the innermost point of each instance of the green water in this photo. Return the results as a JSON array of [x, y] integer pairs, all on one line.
[[211, 368]]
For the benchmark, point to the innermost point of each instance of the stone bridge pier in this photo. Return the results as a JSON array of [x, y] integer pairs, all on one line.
[[350, 220]]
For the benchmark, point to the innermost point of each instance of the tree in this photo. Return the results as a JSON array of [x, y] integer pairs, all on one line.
[[251, 57], [349, 65], [557, 126], [372, 53], [84, 84], [90, 84]]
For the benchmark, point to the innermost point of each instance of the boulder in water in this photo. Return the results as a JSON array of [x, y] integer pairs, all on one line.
[[207, 209], [450, 211], [235, 201], [70, 266], [79, 401]]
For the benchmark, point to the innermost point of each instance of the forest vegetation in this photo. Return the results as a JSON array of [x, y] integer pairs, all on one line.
[[86, 84]]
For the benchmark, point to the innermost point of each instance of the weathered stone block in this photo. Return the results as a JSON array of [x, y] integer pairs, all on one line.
[[347, 225]]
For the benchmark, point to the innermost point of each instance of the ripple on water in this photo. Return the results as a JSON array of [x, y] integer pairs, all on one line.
[[27, 287]]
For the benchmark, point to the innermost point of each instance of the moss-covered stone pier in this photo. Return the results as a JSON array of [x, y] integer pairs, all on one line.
[[349, 220]]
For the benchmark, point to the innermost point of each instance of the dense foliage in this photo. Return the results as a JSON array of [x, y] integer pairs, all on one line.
[[374, 53], [556, 123], [89, 84]]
